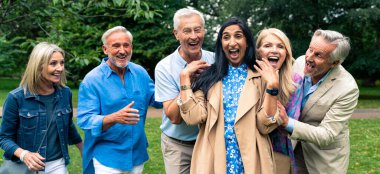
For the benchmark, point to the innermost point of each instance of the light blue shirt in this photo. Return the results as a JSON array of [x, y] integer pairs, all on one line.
[[308, 90], [101, 93], [168, 87]]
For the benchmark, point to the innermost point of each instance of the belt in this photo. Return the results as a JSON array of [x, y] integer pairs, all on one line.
[[182, 142]]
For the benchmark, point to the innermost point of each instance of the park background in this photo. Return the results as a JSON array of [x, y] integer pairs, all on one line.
[[77, 26]]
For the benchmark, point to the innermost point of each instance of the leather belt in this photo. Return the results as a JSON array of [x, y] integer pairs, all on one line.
[[182, 142]]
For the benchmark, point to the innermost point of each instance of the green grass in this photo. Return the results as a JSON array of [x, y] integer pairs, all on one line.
[[369, 96], [364, 156], [154, 165], [365, 146]]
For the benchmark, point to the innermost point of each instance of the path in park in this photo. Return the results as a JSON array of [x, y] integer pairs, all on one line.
[[358, 113]]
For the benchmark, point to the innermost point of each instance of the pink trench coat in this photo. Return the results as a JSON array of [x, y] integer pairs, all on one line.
[[252, 126]]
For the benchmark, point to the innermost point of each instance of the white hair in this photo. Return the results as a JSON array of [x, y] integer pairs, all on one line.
[[185, 12], [113, 30], [342, 44]]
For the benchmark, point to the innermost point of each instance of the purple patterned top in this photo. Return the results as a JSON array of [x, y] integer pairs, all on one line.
[[279, 137]]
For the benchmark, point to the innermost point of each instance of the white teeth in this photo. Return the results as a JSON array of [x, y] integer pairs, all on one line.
[[273, 57], [234, 50]]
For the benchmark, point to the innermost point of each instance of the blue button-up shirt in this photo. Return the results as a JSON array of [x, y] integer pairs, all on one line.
[[101, 93]]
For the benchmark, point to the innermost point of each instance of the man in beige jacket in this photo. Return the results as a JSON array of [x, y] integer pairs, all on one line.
[[330, 95]]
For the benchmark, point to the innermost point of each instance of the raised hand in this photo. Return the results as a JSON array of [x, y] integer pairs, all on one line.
[[127, 115], [195, 68], [268, 73]]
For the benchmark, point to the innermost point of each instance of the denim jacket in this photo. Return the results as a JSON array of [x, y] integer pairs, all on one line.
[[25, 122]]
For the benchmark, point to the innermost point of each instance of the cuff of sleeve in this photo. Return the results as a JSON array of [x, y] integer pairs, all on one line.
[[273, 119], [10, 154], [75, 141], [188, 104], [97, 125], [290, 126]]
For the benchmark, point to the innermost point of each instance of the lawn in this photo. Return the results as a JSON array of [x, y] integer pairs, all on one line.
[[154, 165], [364, 157], [369, 97], [364, 136]]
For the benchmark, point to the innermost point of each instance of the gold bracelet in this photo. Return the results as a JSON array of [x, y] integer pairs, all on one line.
[[185, 87]]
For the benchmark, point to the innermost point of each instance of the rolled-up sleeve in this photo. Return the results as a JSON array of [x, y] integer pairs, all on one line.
[[88, 117], [194, 110], [267, 123]]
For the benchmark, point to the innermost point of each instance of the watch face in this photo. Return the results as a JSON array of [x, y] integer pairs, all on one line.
[[273, 91], [179, 102]]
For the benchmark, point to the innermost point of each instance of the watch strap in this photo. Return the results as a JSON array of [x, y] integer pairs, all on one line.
[[185, 87], [273, 92]]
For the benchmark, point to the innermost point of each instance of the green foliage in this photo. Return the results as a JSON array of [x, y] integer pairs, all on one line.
[[77, 27], [9, 60], [359, 20]]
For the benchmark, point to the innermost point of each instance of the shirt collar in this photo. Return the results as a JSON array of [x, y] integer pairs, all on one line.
[[308, 79], [107, 69], [180, 60], [240, 69], [57, 93]]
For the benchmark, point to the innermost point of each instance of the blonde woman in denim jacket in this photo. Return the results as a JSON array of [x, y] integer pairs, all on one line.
[[37, 123]]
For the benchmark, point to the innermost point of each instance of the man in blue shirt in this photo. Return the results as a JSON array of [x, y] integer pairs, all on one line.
[[330, 95], [177, 138], [112, 106]]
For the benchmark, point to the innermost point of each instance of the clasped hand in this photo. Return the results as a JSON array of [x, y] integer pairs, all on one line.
[[34, 161]]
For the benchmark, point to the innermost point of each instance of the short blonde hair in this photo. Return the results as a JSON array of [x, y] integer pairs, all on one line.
[[286, 83], [38, 59]]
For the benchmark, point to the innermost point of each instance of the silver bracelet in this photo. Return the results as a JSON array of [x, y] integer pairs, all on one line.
[[22, 155]]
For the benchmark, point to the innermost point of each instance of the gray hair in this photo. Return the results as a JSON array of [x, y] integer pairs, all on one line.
[[186, 12], [342, 44], [113, 30]]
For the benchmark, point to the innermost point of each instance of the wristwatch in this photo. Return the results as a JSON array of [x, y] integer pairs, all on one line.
[[272, 92], [185, 87], [179, 101]]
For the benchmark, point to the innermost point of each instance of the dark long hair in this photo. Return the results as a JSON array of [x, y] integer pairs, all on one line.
[[220, 68]]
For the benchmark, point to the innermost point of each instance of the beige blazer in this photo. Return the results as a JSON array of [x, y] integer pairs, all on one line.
[[323, 125], [251, 127]]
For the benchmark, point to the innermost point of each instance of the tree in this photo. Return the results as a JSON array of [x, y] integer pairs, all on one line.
[[77, 26], [359, 20]]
